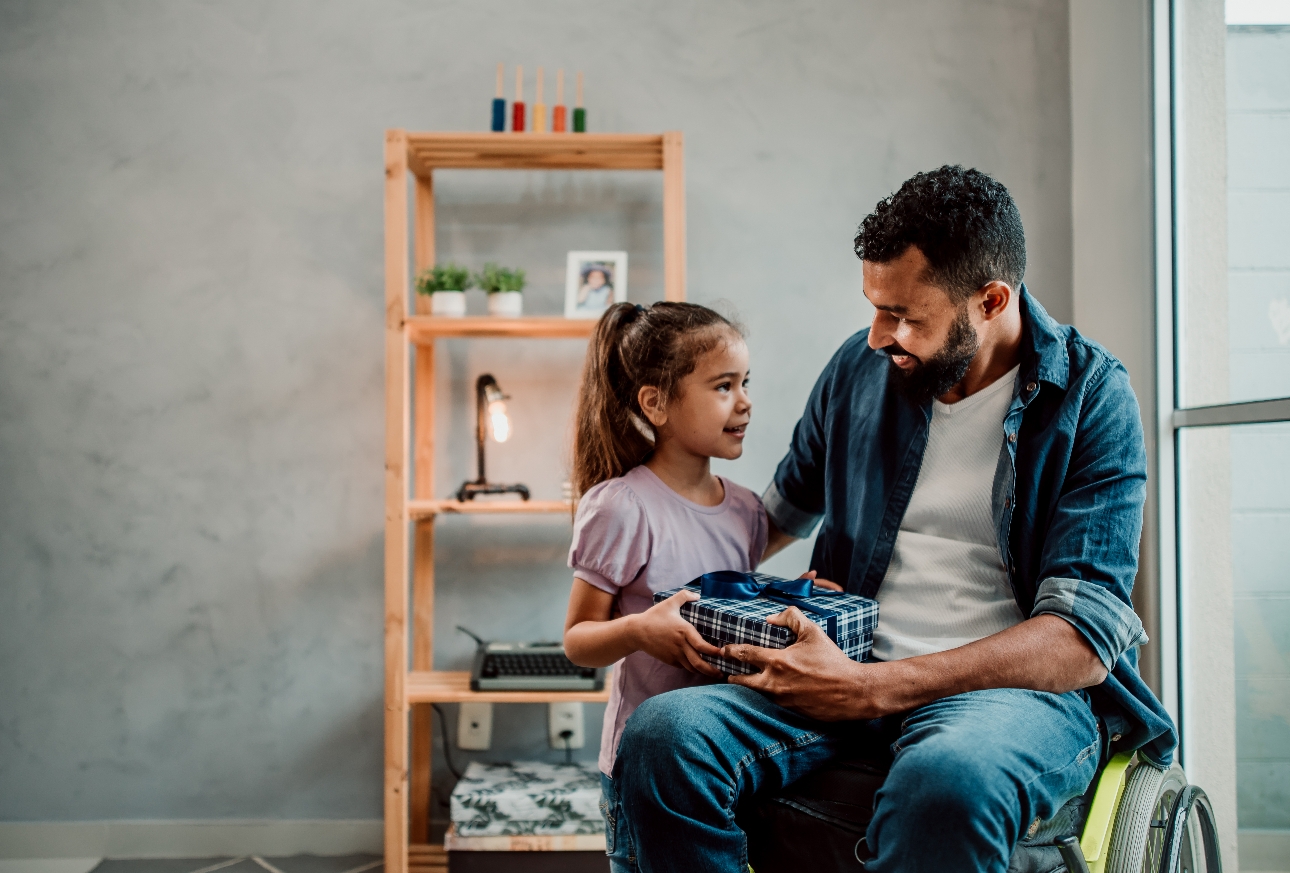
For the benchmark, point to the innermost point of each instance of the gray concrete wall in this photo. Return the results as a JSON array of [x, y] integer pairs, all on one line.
[[190, 334], [1112, 241]]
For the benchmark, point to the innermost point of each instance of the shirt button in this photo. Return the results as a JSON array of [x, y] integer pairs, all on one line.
[[1115, 738], [1012, 437], [1031, 386]]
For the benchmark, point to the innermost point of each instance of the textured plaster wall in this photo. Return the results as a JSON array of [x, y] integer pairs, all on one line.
[[1113, 281], [190, 334]]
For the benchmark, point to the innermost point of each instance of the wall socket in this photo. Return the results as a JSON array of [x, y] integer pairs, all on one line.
[[561, 717], [474, 726]]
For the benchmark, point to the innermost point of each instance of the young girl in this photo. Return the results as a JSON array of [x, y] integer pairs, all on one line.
[[665, 390]]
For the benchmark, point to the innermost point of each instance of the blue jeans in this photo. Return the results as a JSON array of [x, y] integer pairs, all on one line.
[[968, 776], [618, 843]]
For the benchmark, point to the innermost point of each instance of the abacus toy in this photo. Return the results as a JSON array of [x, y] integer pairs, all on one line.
[[539, 108], [557, 115], [538, 122], [499, 104], [517, 109], [579, 113]]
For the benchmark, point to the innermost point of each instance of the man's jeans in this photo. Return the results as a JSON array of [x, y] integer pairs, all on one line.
[[970, 773]]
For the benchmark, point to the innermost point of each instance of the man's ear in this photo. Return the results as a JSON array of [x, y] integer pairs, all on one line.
[[651, 403], [995, 296]]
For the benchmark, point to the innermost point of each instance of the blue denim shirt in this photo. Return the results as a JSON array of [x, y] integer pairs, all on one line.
[[1068, 496]]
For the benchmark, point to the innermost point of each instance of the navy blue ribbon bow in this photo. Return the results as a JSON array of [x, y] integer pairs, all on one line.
[[734, 585]]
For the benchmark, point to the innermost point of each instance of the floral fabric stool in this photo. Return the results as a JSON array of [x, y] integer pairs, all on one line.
[[527, 799]]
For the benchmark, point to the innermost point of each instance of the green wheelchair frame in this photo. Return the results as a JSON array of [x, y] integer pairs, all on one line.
[[1145, 820]]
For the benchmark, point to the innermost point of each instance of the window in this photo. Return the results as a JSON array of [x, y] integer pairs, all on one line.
[[1223, 272]]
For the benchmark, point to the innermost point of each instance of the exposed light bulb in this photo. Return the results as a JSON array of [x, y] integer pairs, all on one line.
[[501, 423]]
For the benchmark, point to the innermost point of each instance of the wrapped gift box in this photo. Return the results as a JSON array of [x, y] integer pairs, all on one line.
[[527, 798], [847, 619]]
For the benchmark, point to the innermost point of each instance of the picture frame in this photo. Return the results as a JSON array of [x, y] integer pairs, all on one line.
[[594, 281]]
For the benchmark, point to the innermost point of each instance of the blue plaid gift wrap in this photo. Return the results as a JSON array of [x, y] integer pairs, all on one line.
[[722, 619]]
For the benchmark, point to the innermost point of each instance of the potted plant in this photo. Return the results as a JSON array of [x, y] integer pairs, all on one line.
[[446, 284], [504, 288]]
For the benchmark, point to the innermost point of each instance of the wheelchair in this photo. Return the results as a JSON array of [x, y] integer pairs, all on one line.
[[1134, 818]]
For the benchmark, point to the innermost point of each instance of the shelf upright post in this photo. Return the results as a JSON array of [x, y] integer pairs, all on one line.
[[673, 216], [396, 494], [422, 623]]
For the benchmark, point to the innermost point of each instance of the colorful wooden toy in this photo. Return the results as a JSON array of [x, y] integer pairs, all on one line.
[[558, 114], [499, 104], [539, 108], [579, 113], [517, 109]]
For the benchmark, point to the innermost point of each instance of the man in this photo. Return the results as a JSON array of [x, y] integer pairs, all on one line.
[[980, 470]]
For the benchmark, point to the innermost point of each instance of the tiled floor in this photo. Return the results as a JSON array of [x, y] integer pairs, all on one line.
[[251, 864]]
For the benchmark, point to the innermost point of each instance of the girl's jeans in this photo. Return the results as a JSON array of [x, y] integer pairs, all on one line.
[[969, 775]]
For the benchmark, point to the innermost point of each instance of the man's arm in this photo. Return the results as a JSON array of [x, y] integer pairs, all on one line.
[[815, 678]]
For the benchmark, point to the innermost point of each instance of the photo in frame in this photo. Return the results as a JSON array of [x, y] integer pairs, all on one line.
[[593, 281]]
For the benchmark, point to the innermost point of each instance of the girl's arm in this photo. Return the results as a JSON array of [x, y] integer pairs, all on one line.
[[593, 639]]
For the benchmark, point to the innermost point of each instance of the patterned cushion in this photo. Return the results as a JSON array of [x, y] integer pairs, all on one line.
[[524, 798]]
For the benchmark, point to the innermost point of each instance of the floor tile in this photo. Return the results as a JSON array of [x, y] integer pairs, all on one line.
[[323, 864], [48, 865], [158, 865]]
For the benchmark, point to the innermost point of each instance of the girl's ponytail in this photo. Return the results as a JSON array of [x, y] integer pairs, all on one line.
[[607, 441], [634, 346]]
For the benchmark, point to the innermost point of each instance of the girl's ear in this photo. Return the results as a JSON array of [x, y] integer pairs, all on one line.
[[651, 403]]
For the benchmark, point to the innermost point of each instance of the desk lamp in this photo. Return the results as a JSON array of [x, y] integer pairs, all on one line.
[[490, 406]]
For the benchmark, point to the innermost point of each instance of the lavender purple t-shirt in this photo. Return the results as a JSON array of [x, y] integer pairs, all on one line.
[[634, 536]]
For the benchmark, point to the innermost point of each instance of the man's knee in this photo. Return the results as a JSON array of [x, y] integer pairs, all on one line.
[[948, 779]]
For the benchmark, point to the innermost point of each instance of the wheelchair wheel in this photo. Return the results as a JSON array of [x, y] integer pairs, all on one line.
[[1163, 825], [1137, 836], [1190, 843]]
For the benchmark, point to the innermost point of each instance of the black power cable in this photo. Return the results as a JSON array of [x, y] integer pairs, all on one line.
[[447, 748], [567, 735]]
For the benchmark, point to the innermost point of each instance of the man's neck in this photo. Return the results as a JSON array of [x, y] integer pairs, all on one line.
[[1000, 351]]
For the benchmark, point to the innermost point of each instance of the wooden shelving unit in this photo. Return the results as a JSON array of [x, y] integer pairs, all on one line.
[[410, 503]]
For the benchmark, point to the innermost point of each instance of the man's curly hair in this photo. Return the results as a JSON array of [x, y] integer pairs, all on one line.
[[964, 223]]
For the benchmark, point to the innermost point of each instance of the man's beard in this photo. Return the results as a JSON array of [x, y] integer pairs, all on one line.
[[943, 370]]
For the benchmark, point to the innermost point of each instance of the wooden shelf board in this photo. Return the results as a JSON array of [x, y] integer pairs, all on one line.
[[513, 506], [534, 151], [447, 686], [423, 329], [452, 842], [427, 858]]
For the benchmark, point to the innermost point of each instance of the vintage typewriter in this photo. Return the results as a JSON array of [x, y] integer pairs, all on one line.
[[529, 667]]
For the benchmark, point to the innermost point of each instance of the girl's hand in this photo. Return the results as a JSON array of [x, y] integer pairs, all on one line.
[[662, 632]]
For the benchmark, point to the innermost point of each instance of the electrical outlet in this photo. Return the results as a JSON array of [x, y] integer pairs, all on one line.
[[561, 717], [474, 726]]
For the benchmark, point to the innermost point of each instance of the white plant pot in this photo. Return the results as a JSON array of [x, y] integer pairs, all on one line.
[[506, 304], [448, 304]]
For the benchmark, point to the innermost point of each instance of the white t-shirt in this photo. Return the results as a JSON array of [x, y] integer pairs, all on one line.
[[946, 585]]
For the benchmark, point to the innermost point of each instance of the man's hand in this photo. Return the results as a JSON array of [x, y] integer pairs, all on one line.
[[662, 632], [812, 676], [821, 583]]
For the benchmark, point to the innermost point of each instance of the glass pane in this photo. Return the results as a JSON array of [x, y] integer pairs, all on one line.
[[1241, 350], [1235, 536]]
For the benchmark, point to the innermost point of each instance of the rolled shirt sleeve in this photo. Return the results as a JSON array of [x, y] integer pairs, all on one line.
[[1090, 556], [788, 518], [1110, 626]]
